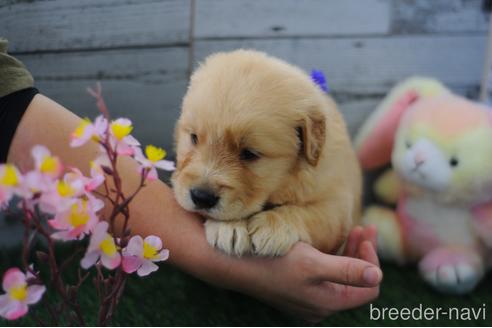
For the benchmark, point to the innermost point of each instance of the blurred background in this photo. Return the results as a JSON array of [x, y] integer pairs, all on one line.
[[143, 50]]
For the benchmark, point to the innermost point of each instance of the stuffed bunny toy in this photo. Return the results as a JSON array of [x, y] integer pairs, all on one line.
[[440, 148]]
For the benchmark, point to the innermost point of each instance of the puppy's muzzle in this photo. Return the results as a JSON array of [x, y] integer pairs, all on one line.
[[203, 198]]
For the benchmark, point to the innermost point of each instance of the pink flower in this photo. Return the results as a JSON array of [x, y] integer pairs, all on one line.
[[90, 183], [79, 219], [140, 255], [153, 158], [10, 182], [45, 163], [101, 247], [62, 194], [35, 182], [97, 177], [121, 140], [14, 304], [89, 131]]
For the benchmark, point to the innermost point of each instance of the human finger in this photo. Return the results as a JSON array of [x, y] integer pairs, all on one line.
[[347, 271], [353, 242]]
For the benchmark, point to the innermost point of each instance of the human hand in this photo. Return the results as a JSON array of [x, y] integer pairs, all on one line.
[[310, 284]]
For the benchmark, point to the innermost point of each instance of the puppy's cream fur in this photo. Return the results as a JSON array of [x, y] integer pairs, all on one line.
[[306, 167]]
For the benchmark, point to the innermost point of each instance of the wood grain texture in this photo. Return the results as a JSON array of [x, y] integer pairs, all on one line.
[[437, 16], [90, 24], [145, 86], [266, 18], [365, 66]]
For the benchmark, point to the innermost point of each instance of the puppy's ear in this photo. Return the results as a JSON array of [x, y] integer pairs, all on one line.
[[312, 133]]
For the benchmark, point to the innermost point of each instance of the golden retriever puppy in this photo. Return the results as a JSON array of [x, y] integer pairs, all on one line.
[[264, 155]]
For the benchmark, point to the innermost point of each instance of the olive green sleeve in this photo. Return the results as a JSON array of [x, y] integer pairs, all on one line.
[[14, 76]]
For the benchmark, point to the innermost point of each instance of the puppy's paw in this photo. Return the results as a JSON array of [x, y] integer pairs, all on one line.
[[229, 236], [271, 235]]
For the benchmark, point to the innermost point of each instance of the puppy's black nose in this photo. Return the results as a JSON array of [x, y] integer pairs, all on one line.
[[203, 198]]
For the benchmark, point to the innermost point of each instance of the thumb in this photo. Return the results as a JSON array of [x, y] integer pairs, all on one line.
[[347, 271]]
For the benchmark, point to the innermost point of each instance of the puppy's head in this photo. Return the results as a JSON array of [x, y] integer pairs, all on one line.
[[248, 122]]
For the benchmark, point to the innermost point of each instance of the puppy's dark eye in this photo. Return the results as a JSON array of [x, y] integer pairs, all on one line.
[[194, 139], [248, 155], [454, 161], [408, 144]]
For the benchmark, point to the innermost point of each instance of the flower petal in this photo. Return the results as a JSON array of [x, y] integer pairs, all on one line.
[[165, 165], [161, 256], [131, 263], [89, 259], [63, 235], [34, 293], [38, 152], [13, 310], [130, 140], [110, 262], [152, 175], [154, 241], [4, 300], [13, 277], [125, 150], [98, 234], [147, 268], [135, 246]]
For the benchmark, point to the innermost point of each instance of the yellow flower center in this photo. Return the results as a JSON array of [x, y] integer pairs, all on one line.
[[18, 293], [108, 246], [78, 215], [9, 178], [120, 131], [64, 189], [154, 154], [79, 131], [49, 165], [149, 251]]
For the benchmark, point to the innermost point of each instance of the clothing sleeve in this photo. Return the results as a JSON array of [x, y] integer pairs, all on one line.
[[14, 76], [16, 93]]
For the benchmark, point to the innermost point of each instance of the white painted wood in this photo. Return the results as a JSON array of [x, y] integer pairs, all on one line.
[[372, 65], [267, 18], [88, 24], [355, 112], [438, 16], [145, 86]]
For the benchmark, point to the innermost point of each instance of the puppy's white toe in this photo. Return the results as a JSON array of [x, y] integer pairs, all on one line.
[[229, 236], [270, 236]]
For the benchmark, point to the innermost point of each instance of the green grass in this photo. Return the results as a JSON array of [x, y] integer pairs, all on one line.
[[171, 297]]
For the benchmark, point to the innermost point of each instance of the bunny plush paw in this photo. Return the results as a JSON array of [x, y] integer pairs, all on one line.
[[452, 271]]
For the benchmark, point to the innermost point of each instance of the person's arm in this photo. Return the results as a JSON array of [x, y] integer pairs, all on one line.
[[300, 282]]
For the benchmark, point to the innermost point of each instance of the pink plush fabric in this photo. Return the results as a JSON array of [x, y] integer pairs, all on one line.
[[376, 150]]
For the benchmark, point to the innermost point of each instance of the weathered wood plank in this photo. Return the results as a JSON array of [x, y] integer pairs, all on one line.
[[267, 18], [370, 66], [145, 86], [60, 24], [438, 16], [356, 111]]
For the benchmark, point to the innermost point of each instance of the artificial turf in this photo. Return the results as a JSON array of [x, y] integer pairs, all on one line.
[[171, 297]]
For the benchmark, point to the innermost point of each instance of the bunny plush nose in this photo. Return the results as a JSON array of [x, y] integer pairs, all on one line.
[[419, 158]]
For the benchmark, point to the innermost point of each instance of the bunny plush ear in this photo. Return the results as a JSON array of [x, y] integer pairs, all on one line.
[[374, 141]]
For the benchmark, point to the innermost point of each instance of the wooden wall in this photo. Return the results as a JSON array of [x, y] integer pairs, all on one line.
[[142, 50]]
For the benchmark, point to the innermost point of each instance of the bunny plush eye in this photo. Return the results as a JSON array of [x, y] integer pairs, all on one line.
[[408, 144], [453, 161]]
